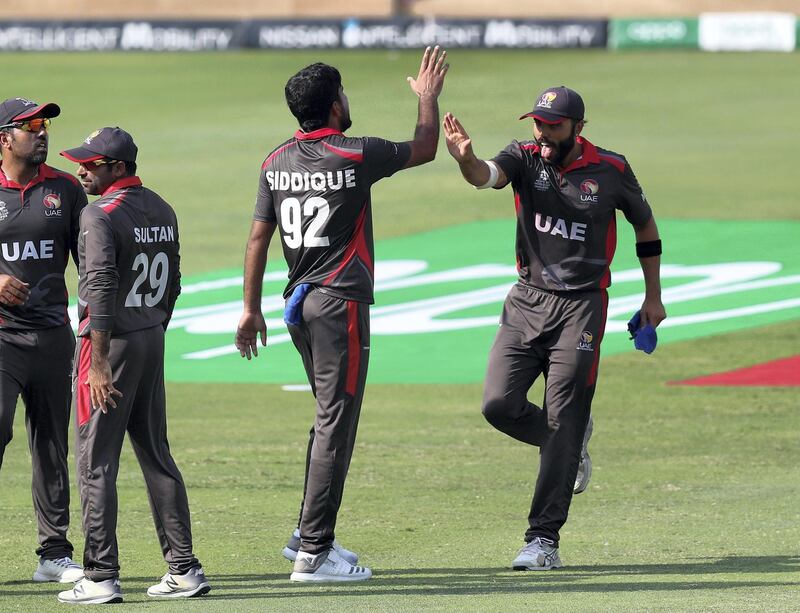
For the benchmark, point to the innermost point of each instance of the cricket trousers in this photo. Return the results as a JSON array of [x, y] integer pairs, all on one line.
[[137, 364], [333, 341], [556, 334], [36, 364]]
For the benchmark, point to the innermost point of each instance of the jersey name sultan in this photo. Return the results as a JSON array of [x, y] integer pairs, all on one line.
[[566, 219], [129, 260], [38, 230], [316, 188]]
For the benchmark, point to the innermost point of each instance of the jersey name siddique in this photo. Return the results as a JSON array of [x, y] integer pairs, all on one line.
[[307, 181]]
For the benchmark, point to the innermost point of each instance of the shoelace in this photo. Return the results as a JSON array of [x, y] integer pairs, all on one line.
[[64, 563], [537, 544]]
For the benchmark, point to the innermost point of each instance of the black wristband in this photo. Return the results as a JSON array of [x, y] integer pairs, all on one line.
[[648, 249]]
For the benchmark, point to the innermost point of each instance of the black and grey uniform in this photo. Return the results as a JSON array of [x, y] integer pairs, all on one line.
[[316, 187], [129, 281], [38, 230], [554, 317]]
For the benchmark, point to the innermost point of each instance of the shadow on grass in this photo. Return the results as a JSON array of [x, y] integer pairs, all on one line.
[[476, 581]]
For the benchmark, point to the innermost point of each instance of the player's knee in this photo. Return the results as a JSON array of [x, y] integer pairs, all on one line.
[[495, 410]]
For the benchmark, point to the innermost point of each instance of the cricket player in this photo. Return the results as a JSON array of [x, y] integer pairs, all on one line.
[[566, 193], [39, 210], [315, 188], [129, 281]]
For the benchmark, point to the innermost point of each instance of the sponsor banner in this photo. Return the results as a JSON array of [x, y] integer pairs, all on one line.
[[747, 31], [653, 33], [401, 33], [438, 302]]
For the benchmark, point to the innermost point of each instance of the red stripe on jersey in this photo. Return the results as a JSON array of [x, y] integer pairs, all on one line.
[[611, 248], [356, 248], [83, 396], [516, 202], [321, 133], [531, 147], [616, 163], [595, 363], [353, 348], [350, 155], [110, 206], [276, 152], [122, 184]]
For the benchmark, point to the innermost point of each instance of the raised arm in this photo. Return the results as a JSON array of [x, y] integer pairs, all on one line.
[[475, 171], [428, 86]]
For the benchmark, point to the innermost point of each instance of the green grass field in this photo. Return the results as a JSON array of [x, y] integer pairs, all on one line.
[[693, 505]]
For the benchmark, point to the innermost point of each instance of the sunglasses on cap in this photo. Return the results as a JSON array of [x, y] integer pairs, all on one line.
[[31, 125], [99, 163]]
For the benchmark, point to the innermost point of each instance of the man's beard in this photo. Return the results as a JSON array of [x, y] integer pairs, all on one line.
[[346, 123], [562, 148], [37, 157]]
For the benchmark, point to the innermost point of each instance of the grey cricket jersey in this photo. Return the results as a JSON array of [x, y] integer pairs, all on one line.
[[38, 230], [566, 221], [316, 187], [129, 260]]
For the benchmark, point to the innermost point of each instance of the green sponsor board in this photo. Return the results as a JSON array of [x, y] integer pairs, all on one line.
[[439, 296], [653, 33]]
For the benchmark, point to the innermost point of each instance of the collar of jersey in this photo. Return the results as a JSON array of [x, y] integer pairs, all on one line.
[[316, 134], [588, 156], [122, 184], [44, 172]]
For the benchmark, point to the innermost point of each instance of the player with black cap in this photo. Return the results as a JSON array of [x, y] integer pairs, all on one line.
[[566, 193], [129, 281], [39, 209]]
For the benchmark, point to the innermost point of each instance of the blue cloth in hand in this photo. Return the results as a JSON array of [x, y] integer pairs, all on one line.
[[293, 312], [644, 338]]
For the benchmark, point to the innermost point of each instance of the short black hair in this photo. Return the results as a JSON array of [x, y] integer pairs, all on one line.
[[311, 93]]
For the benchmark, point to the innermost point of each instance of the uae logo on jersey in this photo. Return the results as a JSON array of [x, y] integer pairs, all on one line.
[[543, 182], [3, 210], [546, 101], [585, 342], [590, 187], [52, 205]]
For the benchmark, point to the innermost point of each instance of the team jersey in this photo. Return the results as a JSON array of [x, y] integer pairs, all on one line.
[[129, 260], [38, 229], [566, 219], [316, 188]]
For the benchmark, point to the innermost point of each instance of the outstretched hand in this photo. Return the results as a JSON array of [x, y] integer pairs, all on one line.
[[459, 144], [432, 71]]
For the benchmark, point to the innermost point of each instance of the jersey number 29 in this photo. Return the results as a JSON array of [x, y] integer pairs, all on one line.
[[292, 215], [156, 272]]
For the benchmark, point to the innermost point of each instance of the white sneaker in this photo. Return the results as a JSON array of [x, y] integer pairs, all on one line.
[[293, 546], [191, 583], [539, 554], [326, 566], [585, 465], [93, 592], [62, 570]]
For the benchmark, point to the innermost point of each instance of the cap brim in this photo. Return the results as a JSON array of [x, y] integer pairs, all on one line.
[[81, 155], [49, 109], [545, 117]]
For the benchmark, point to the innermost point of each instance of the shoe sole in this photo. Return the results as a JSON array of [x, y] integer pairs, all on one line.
[[317, 578], [579, 489], [200, 590], [116, 598], [48, 579], [551, 567]]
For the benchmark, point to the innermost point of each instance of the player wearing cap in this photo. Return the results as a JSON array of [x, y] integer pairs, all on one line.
[[316, 188], [566, 193], [129, 281], [39, 209]]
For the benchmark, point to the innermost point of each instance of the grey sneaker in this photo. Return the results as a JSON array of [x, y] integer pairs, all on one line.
[[293, 546], [585, 465], [539, 554], [93, 592], [327, 566], [192, 583], [62, 570]]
